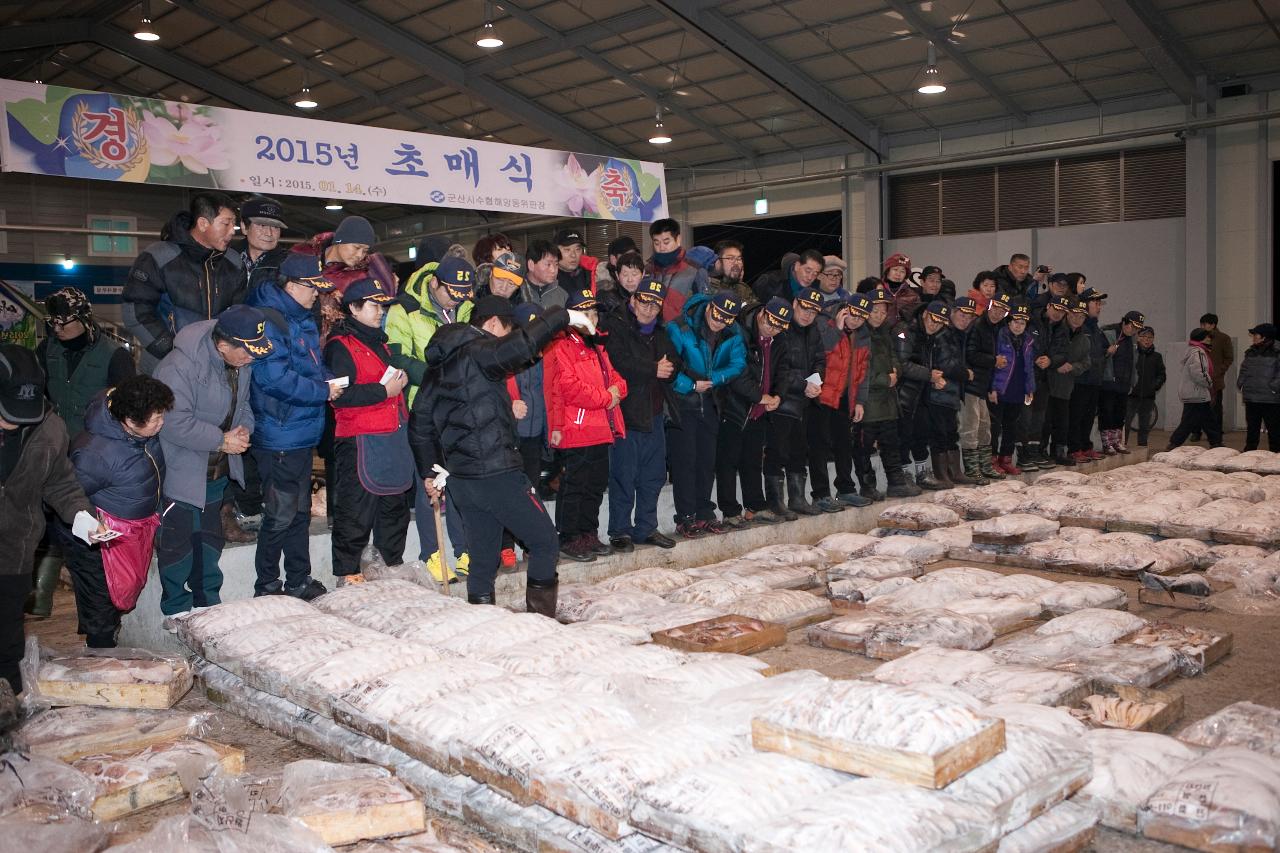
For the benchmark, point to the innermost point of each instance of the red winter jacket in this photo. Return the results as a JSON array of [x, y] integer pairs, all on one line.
[[844, 373], [575, 383]]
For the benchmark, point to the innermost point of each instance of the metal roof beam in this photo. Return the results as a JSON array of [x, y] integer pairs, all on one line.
[[740, 46], [555, 42], [1144, 26], [450, 72], [317, 69], [635, 83], [184, 70], [47, 34], [940, 39]]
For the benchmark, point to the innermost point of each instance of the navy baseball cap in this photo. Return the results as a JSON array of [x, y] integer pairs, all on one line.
[[725, 307], [21, 385], [581, 300], [247, 327], [456, 276], [939, 310], [305, 269], [526, 313], [860, 305], [263, 211], [367, 288], [966, 305], [778, 310], [810, 298], [650, 290]]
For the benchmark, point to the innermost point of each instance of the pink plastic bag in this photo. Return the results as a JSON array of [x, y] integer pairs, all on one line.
[[127, 558]]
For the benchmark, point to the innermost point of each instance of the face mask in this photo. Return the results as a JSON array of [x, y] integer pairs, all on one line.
[[666, 259]]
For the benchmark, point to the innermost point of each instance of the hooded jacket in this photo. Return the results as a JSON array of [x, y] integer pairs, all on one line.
[[119, 473], [176, 282], [196, 374], [1259, 377], [462, 415], [289, 392], [576, 375], [414, 318], [683, 280], [1195, 381], [44, 475], [693, 345], [1026, 352]]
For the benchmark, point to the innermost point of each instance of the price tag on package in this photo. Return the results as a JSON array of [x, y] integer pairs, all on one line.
[[1188, 800], [211, 808]]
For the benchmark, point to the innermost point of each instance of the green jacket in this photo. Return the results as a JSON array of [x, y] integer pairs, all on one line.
[[882, 400], [412, 321], [72, 387]]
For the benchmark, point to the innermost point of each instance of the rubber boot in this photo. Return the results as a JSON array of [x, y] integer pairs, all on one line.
[[796, 501], [985, 466], [1117, 442], [479, 598], [899, 484], [773, 484], [972, 468], [1026, 458], [938, 480], [540, 597], [40, 601], [1062, 457], [955, 469]]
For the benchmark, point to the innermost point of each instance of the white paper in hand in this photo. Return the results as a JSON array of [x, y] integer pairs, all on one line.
[[344, 381], [814, 379], [83, 525], [388, 374]]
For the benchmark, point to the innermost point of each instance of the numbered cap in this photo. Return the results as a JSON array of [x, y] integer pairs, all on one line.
[[581, 300], [458, 277], [367, 288], [247, 327], [725, 307], [966, 305], [304, 268], [809, 298], [1001, 302], [1020, 312], [939, 311], [881, 296], [1135, 318], [778, 310], [651, 290], [860, 305], [1062, 303]]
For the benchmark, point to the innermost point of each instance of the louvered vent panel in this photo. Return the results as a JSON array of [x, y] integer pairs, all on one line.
[[1155, 183], [1026, 195], [913, 205], [1089, 190], [969, 201]]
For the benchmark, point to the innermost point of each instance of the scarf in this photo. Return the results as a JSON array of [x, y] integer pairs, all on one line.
[[665, 260]]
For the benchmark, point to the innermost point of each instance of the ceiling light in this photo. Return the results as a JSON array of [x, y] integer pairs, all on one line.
[[68, 263], [931, 79], [660, 135], [488, 36], [762, 204], [333, 205], [413, 253], [305, 101], [145, 31]]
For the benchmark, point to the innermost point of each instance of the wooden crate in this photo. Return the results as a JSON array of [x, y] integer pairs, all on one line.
[[760, 635], [1168, 714], [390, 811], [1209, 839], [1168, 598], [1215, 651], [927, 771], [155, 695], [119, 800], [825, 639]]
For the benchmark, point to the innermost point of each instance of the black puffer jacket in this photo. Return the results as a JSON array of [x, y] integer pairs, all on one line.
[[800, 354], [1259, 376], [980, 355], [1150, 373], [913, 377], [175, 283], [1006, 283], [635, 355], [744, 390], [944, 351], [119, 473], [462, 415]]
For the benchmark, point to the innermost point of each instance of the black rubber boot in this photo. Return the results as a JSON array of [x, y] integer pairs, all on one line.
[[796, 501], [1062, 457], [955, 469], [938, 479], [773, 485], [540, 597], [479, 598], [40, 601]]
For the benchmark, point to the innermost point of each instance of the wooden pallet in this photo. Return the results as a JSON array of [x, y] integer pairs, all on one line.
[[825, 639], [1167, 598], [117, 801], [913, 768], [759, 636], [401, 815], [157, 696]]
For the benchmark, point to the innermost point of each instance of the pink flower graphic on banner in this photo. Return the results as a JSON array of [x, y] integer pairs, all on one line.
[[577, 188], [182, 113], [196, 144]]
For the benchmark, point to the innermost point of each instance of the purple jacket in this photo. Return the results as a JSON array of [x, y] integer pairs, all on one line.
[[1004, 347]]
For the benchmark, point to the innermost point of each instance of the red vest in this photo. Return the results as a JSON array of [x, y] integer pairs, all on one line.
[[377, 418]]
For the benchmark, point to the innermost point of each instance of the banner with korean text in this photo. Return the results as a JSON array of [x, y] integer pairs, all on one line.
[[49, 130]]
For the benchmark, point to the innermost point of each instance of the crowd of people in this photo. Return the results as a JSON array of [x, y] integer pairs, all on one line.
[[483, 384]]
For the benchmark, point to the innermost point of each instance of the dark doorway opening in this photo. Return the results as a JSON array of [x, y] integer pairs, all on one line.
[[1275, 241], [765, 241]]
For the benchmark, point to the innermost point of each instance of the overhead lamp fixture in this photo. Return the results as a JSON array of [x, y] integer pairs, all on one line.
[[68, 262], [333, 205], [305, 101], [488, 37], [660, 135], [762, 204], [931, 79], [145, 31]]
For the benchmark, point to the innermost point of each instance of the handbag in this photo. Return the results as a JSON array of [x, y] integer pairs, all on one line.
[[384, 462], [126, 559]]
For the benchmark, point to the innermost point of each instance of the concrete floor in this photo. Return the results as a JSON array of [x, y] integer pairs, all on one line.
[[1248, 673]]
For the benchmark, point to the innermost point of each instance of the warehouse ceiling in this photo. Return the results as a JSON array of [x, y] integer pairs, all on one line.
[[738, 83]]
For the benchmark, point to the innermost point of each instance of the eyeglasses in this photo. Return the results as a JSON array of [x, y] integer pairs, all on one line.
[[833, 274], [731, 258], [62, 322]]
